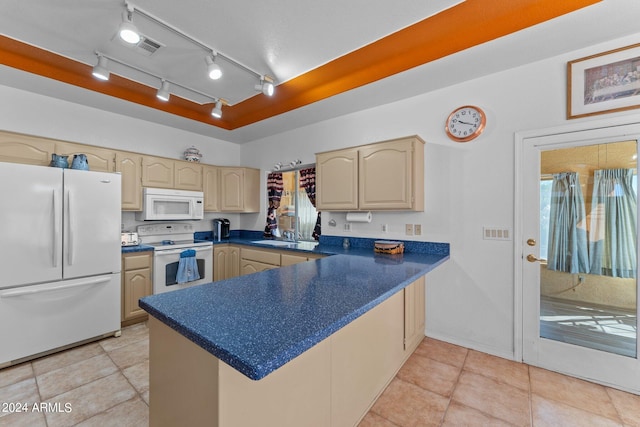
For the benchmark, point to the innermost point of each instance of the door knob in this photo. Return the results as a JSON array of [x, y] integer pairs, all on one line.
[[532, 258], [531, 242]]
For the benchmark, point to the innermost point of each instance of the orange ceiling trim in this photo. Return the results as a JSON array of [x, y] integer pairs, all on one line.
[[29, 58], [469, 24]]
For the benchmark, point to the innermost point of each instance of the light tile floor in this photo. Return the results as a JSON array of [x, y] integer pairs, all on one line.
[[106, 384]]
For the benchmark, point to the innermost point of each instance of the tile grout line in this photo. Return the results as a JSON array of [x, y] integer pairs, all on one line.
[[444, 415]]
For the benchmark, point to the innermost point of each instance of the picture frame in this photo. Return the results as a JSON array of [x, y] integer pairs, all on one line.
[[604, 83]]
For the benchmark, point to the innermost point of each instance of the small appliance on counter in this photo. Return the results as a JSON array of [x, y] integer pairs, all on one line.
[[129, 239], [221, 229]]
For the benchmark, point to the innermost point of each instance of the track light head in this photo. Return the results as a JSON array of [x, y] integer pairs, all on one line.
[[163, 92], [213, 69], [266, 86], [127, 31], [217, 110], [100, 71]]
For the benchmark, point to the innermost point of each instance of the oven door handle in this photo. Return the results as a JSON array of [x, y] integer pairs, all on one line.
[[179, 251]]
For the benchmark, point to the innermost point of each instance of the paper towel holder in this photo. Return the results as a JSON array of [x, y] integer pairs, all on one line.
[[359, 216]]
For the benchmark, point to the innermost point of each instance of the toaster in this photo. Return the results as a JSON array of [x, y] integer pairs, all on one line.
[[129, 239]]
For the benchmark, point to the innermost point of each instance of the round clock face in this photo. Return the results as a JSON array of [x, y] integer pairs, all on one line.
[[465, 123]]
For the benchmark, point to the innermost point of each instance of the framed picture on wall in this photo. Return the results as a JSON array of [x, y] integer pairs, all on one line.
[[604, 83]]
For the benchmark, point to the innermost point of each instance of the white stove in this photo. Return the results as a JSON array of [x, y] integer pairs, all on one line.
[[169, 241]]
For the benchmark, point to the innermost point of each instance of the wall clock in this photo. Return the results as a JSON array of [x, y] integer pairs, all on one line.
[[465, 123]]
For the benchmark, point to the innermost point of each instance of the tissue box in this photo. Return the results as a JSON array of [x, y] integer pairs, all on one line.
[[388, 247]]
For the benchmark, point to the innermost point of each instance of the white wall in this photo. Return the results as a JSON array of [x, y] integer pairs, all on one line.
[[468, 186]]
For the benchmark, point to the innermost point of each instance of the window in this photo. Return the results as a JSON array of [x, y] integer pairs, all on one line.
[[292, 214]]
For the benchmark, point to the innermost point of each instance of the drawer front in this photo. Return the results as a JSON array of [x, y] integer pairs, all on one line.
[[137, 261], [260, 256]]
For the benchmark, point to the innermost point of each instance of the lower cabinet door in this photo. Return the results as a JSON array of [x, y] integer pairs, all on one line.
[[250, 267]]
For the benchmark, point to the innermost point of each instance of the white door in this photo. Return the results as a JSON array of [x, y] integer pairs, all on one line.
[[30, 224], [92, 223], [576, 319]]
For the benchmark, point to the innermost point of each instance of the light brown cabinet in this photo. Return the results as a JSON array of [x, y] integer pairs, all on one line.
[[388, 175], [414, 314], [130, 167], [136, 283], [239, 189], [255, 260], [226, 262], [31, 150], [210, 187], [188, 176], [157, 172], [231, 261], [290, 259], [168, 173], [337, 180]]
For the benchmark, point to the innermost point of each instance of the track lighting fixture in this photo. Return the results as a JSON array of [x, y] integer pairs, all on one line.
[[100, 70], [213, 69], [217, 110], [266, 85], [163, 92], [127, 31]]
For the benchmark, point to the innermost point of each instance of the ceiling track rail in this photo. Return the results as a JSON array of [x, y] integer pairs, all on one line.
[[216, 53]]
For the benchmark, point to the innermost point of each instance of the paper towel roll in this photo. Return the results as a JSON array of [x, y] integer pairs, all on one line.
[[359, 217]]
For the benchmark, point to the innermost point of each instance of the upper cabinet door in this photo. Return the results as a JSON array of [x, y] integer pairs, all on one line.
[[231, 185], [157, 172], [16, 148], [239, 189], [337, 180], [210, 188], [188, 176], [386, 172], [129, 165]]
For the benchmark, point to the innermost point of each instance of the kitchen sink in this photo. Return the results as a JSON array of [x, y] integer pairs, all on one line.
[[274, 242]]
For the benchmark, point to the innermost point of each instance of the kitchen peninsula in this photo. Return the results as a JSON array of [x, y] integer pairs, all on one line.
[[308, 344]]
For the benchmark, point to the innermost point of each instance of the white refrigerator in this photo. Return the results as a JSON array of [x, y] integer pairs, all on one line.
[[59, 258]]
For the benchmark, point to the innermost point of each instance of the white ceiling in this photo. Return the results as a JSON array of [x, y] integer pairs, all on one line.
[[281, 38]]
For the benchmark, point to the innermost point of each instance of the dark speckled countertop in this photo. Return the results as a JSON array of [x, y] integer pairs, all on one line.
[[257, 323]]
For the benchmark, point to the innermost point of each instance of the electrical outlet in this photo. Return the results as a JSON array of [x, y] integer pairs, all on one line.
[[417, 229], [408, 229], [385, 228], [347, 226]]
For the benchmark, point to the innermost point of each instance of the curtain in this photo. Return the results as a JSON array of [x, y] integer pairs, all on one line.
[[274, 191], [567, 226], [308, 182], [612, 241]]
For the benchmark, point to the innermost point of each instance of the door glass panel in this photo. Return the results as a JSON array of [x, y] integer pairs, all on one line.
[[588, 246]]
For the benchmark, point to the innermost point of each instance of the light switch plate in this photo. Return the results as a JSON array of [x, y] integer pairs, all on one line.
[[409, 229]]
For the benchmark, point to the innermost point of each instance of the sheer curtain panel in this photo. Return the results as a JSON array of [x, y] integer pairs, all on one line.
[[612, 239], [567, 226]]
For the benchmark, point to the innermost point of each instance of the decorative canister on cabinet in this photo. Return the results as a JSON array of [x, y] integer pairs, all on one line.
[[59, 161], [192, 154], [80, 162]]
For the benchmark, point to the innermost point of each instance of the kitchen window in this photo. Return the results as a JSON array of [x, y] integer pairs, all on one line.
[[292, 214]]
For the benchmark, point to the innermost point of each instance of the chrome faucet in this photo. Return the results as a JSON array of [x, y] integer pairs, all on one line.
[[288, 235]]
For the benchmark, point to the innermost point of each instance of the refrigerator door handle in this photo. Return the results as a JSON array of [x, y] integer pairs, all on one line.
[[91, 282], [70, 233], [56, 229]]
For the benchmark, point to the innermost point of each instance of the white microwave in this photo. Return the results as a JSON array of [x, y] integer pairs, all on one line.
[[162, 204]]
